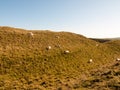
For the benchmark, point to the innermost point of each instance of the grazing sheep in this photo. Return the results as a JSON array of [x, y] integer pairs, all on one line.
[[118, 59], [57, 37], [67, 51], [97, 45], [30, 34], [90, 61], [49, 47]]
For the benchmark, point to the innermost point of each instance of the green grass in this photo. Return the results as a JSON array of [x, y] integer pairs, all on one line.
[[26, 62]]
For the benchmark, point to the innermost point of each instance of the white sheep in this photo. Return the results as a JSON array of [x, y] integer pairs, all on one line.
[[57, 37], [49, 47], [97, 45], [67, 51], [118, 59], [90, 61], [30, 34]]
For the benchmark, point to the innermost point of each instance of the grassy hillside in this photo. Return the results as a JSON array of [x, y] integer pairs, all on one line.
[[26, 63], [105, 78]]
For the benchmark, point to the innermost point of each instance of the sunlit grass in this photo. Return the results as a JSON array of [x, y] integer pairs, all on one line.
[[25, 63]]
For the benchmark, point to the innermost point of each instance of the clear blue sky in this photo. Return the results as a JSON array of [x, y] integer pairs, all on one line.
[[91, 18]]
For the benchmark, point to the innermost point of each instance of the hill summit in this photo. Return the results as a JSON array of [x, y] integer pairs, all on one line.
[[50, 60]]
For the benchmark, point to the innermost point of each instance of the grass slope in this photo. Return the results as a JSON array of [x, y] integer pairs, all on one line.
[[27, 64], [105, 78]]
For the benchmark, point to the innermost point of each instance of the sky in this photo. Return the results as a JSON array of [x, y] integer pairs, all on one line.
[[91, 18]]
